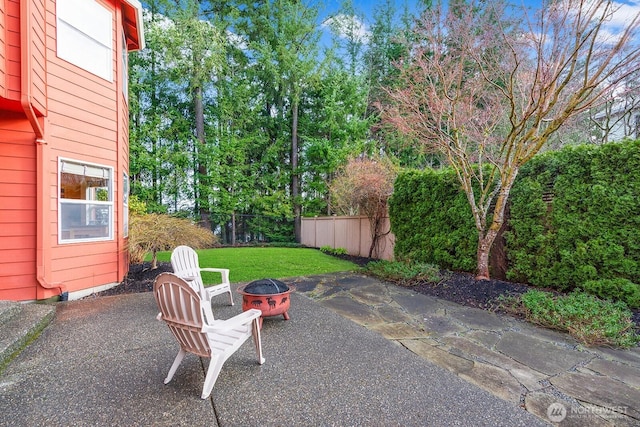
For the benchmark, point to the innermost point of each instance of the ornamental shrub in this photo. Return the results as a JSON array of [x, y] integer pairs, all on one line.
[[152, 233], [615, 289], [588, 226], [432, 220]]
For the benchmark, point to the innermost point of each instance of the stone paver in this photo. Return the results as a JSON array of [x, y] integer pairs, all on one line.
[[487, 338], [421, 305], [624, 373], [398, 331], [438, 356], [374, 294], [495, 380], [393, 313], [547, 372], [628, 357], [461, 345], [540, 355], [442, 325], [527, 377], [543, 405], [600, 390], [352, 309], [475, 318]]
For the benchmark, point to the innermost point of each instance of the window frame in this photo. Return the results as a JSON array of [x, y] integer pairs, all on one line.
[[125, 205], [80, 25], [88, 203]]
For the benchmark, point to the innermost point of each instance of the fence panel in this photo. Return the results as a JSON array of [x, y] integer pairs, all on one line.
[[348, 232]]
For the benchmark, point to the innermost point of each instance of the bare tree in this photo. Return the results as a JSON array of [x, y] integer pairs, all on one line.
[[364, 186], [488, 92]]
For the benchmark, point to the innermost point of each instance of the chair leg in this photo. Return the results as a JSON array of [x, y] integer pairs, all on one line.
[[255, 325], [175, 365], [208, 313], [230, 297], [215, 366]]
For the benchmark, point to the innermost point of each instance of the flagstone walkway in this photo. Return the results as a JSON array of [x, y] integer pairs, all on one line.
[[546, 372]]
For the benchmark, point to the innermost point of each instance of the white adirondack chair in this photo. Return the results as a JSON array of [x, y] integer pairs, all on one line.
[[185, 264], [180, 307]]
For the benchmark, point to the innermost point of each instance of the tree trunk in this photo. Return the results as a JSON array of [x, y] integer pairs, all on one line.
[[205, 219], [484, 249], [486, 239], [155, 175], [374, 235], [295, 178], [233, 228]]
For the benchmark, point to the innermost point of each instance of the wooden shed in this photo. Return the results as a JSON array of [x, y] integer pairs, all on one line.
[[64, 145]]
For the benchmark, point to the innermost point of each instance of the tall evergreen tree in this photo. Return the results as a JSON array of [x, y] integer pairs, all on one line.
[[283, 39]]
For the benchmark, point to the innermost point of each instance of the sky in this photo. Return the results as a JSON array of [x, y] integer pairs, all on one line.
[[366, 8]]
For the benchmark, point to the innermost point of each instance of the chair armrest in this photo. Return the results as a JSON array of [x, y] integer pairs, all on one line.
[[186, 275], [223, 271], [241, 319]]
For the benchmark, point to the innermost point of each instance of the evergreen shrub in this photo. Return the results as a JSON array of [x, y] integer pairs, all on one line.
[[615, 289], [432, 221], [588, 229], [574, 221]]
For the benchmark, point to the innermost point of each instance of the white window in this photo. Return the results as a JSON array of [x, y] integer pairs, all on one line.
[[85, 36], [85, 205]]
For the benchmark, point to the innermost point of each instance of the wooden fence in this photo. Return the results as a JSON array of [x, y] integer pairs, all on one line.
[[348, 232]]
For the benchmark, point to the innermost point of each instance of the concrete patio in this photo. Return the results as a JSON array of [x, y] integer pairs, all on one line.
[[356, 351]]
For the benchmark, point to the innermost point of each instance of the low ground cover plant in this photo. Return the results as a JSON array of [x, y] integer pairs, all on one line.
[[589, 319], [333, 251], [404, 273]]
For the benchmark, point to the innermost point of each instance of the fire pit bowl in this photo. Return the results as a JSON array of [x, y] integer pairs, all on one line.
[[270, 296]]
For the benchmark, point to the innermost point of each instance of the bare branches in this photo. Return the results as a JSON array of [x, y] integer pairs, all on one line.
[[488, 92], [364, 186]]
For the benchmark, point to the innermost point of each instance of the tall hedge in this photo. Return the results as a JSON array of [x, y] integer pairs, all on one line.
[[588, 228], [432, 220], [574, 221]]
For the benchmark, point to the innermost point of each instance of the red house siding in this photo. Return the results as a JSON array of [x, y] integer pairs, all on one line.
[[12, 49], [3, 48], [123, 155], [52, 109], [17, 208], [37, 65]]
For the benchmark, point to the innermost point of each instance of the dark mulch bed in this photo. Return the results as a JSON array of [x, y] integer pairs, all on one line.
[[461, 288], [139, 279], [464, 289]]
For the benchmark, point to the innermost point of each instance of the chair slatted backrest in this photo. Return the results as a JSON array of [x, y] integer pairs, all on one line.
[[185, 263], [180, 307]]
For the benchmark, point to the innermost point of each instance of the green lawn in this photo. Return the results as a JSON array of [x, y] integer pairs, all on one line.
[[247, 264]]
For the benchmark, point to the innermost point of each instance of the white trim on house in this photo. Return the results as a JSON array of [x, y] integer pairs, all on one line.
[[138, 7], [84, 217]]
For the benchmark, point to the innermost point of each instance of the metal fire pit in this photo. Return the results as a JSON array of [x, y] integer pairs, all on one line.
[[270, 296]]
